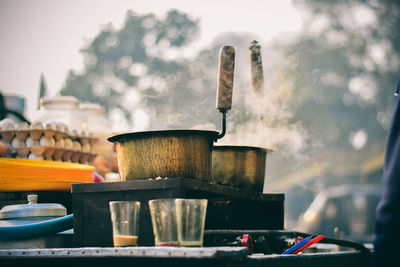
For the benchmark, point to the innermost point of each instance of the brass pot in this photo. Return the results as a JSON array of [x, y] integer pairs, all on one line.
[[168, 153], [239, 166]]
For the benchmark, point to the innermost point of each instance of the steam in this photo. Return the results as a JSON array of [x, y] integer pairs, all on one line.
[[269, 127], [254, 120], [269, 124]]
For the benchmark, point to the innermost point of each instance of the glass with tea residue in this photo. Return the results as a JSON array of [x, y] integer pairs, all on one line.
[[190, 217], [163, 218], [125, 222]]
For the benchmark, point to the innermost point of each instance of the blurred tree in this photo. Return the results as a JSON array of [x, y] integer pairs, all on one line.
[[342, 69], [144, 67], [345, 66], [139, 67]]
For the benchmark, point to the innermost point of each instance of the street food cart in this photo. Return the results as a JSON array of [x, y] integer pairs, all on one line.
[[244, 226]]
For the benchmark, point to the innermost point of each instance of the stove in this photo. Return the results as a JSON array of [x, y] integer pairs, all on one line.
[[228, 207]]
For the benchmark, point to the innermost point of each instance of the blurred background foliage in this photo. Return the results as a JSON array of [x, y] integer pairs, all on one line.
[[334, 82]]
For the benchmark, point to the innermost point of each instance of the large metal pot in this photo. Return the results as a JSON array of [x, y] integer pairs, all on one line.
[[239, 166], [176, 153]]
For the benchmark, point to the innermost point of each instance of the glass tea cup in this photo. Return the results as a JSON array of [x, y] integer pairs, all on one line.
[[190, 217], [125, 222], [163, 218]]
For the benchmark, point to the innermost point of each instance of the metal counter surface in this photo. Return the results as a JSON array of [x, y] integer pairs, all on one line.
[[175, 256], [143, 252]]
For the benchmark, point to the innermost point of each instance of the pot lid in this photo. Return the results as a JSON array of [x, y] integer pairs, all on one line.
[[32, 209]]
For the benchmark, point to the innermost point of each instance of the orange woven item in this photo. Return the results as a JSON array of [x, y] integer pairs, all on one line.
[[27, 175]]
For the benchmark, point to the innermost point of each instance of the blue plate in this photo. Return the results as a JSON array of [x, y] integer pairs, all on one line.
[[39, 229]]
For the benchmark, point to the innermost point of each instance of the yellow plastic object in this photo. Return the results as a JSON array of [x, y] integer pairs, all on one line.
[[27, 175]]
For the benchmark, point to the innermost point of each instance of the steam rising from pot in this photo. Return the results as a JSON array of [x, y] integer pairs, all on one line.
[[188, 101], [269, 124]]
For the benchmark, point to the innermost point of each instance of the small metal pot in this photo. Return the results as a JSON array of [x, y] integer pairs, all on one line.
[[174, 153], [239, 166]]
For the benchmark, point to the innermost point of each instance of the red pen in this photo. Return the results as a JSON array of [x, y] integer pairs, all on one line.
[[309, 243]]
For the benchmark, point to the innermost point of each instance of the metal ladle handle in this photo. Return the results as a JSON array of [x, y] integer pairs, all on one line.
[[256, 69], [226, 68]]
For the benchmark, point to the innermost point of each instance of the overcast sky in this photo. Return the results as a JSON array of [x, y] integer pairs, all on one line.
[[46, 35]]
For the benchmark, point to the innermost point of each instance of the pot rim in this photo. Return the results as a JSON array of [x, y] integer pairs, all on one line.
[[237, 147], [133, 135]]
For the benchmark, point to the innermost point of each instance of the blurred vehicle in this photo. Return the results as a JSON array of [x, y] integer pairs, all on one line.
[[350, 208]]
